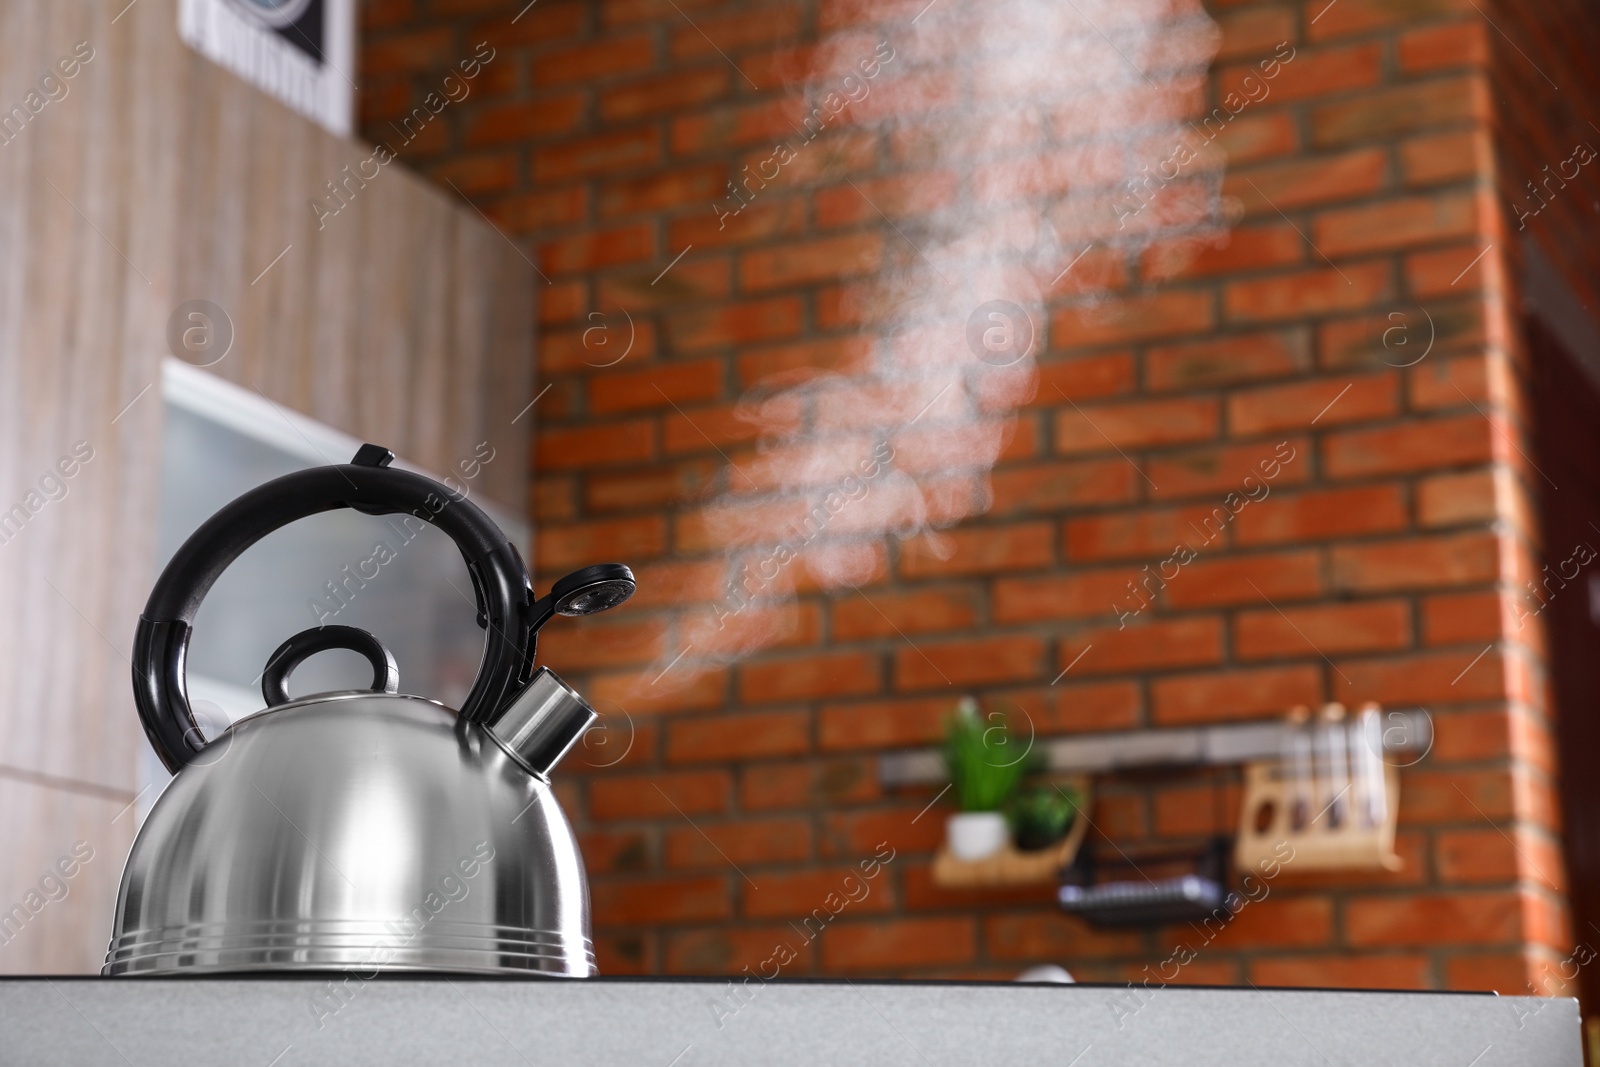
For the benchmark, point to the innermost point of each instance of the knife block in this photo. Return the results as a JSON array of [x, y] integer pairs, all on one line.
[[1333, 800]]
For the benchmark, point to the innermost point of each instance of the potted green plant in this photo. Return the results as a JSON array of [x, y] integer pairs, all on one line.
[[1041, 815], [985, 766]]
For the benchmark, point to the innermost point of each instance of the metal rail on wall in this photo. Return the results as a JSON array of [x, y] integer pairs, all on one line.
[[1407, 731]]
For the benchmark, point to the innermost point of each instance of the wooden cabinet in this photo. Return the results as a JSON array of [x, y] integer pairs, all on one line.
[[149, 178]]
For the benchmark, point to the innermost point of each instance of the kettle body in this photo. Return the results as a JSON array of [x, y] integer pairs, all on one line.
[[362, 831], [354, 831]]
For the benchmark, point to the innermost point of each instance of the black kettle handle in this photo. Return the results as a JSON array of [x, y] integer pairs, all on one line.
[[370, 485], [307, 643]]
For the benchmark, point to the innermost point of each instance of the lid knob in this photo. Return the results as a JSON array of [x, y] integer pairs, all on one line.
[[542, 723]]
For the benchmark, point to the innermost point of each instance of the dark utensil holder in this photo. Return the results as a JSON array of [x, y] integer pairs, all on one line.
[[1148, 889]]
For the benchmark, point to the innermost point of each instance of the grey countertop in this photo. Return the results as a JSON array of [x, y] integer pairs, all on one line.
[[257, 1022]]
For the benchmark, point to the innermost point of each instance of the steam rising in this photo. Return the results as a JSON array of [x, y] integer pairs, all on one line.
[[1019, 144]]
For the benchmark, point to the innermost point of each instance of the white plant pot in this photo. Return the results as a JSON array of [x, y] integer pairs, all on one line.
[[976, 835]]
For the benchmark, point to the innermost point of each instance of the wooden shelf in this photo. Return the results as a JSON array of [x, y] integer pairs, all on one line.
[[1011, 866]]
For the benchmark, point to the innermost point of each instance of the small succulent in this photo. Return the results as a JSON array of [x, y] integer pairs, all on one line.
[[1041, 815], [984, 762]]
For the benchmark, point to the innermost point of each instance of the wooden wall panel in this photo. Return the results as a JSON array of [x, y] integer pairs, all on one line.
[[59, 888], [161, 178]]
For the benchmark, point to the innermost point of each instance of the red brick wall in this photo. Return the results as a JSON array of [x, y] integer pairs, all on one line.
[[1540, 66], [1543, 82], [1382, 565]]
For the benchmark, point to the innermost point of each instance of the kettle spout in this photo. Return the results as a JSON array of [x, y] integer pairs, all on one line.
[[541, 724]]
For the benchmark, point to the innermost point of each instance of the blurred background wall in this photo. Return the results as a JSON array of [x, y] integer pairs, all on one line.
[[1359, 289]]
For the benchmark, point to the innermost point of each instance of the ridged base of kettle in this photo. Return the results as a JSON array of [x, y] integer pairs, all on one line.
[[362, 947]]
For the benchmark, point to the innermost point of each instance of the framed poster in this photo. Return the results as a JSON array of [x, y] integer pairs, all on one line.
[[300, 51]]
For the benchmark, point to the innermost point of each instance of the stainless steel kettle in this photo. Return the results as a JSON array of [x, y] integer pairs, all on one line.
[[361, 831]]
